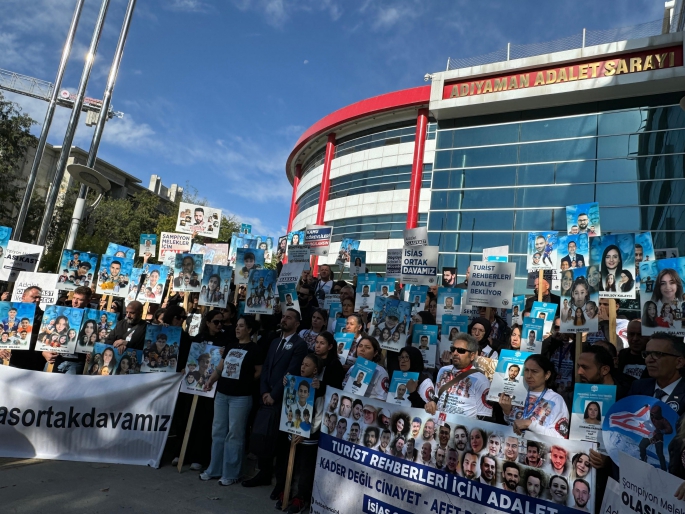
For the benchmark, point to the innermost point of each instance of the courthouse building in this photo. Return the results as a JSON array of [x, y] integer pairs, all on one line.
[[497, 146]]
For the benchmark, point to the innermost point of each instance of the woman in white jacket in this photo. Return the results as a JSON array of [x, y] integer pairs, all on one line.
[[544, 411]]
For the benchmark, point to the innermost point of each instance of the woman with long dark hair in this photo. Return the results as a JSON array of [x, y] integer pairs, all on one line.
[[332, 372], [612, 263], [370, 349], [319, 319], [626, 284]]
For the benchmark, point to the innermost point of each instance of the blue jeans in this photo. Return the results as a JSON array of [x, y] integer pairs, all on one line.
[[228, 435]]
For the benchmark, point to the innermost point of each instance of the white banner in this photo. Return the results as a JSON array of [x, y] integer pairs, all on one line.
[[46, 281], [198, 220], [20, 257], [416, 236], [645, 488], [291, 273], [119, 419], [420, 265], [172, 244], [491, 284]]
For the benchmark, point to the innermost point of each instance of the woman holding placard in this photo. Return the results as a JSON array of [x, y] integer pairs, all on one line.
[[332, 372], [310, 335], [480, 328], [235, 374], [544, 411], [411, 360], [369, 348]]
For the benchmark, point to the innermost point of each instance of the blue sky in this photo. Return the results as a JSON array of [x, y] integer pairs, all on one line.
[[216, 92]]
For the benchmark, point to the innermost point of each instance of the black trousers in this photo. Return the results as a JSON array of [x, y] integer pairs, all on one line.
[[304, 467]]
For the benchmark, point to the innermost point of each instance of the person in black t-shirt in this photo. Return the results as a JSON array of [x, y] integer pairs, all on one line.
[[240, 366], [630, 360]]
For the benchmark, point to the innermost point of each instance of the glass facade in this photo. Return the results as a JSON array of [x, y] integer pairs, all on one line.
[[382, 226], [309, 199], [495, 178]]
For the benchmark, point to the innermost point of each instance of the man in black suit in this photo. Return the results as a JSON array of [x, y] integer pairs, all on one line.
[[547, 296], [573, 259], [285, 356], [664, 358]]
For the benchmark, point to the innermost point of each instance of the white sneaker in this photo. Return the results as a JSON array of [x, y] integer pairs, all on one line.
[[228, 481], [204, 477], [195, 466], [175, 461]]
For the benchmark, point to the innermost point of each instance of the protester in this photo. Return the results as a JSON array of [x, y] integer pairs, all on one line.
[[130, 331], [461, 388], [332, 372], [354, 326], [422, 390], [547, 295], [514, 342], [544, 411], [369, 348], [319, 317], [481, 329], [630, 360], [664, 357], [232, 402], [596, 366], [305, 454], [499, 330], [71, 364], [29, 359], [560, 349], [324, 284], [285, 355]]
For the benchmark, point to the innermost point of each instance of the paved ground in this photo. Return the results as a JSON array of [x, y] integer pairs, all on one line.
[[34, 486]]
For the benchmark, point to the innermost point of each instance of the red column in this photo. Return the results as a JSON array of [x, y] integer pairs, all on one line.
[[326, 179], [323, 194], [417, 168], [293, 201]]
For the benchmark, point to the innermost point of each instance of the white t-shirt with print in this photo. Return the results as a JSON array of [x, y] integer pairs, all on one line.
[[550, 416], [468, 397]]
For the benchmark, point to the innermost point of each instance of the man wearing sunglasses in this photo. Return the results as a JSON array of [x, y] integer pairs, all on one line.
[[664, 357], [466, 395]]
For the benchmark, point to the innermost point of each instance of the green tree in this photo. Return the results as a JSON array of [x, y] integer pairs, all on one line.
[[15, 141]]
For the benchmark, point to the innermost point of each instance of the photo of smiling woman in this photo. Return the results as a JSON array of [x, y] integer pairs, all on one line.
[[582, 304], [661, 303], [615, 256]]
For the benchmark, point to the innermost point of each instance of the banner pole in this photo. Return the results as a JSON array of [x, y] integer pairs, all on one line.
[[146, 307], [541, 277], [579, 350], [289, 473], [110, 299], [186, 436], [612, 321]]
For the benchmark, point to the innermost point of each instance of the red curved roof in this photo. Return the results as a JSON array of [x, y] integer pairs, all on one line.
[[368, 107]]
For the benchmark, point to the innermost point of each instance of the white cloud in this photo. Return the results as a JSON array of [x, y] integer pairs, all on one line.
[[306, 61], [278, 12], [187, 6]]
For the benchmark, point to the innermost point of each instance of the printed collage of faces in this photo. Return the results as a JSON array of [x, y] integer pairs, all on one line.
[[76, 269], [114, 275], [216, 283], [390, 323], [188, 270], [198, 220], [152, 289], [662, 297], [160, 353], [59, 329], [106, 360], [555, 470], [202, 360], [16, 325], [263, 245]]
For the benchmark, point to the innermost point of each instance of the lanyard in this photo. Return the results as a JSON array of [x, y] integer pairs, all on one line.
[[527, 412]]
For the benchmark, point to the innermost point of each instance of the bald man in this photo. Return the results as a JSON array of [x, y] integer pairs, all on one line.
[[130, 331]]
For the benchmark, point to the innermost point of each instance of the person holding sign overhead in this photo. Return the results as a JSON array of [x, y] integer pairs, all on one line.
[[369, 348]]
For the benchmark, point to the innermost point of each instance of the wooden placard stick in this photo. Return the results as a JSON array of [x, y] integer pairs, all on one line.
[[612, 321], [579, 350], [186, 436], [6, 362], [488, 311], [289, 473], [110, 299], [541, 277], [146, 307]]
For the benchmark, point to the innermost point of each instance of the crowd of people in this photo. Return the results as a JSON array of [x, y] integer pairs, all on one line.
[[244, 415]]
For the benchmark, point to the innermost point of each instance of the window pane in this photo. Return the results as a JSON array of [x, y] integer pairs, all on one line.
[[487, 199], [615, 147], [489, 177], [442, 159], [616, 169], [444, 139], [662, 192], [667, 166], [537, 174], [477, 157], [618, 194], [476, 241], [559, 128], [622, 122], [534, 220], [486, 220], [572, 150], [481, 136], [554, 196], [570, 172], [623, 219]]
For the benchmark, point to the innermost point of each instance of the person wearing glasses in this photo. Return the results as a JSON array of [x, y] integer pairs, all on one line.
[[664, 357], [465, 388]]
